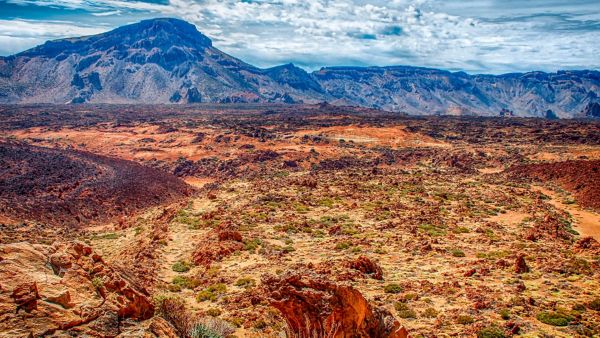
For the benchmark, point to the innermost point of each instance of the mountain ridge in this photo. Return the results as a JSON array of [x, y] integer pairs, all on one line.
[[167, 60]]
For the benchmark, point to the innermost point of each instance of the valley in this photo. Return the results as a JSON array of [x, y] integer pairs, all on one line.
[[261, 220]]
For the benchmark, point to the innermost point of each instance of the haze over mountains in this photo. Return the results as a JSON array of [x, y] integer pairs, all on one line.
[[169, 61]]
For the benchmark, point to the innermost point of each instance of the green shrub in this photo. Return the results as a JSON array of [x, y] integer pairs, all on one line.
[[200, 331], [245, 282], [260, 324], [236, 321], [392, 288], [288, 249], [432, 230], [185, 282], [457, 253], [492, 331], [430, 313], [211, 293], [97, 283], [214, 312], [205, 295], [181, 266], [554, 318], [404, 311], [504, 314], [461, 230], [251, 244], [342, 246], [465, 320]]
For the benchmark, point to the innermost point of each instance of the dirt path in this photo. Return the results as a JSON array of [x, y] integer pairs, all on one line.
[[179, 248], [587, 223]]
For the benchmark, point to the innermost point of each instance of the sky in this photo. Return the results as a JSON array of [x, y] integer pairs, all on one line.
[[476, 36]]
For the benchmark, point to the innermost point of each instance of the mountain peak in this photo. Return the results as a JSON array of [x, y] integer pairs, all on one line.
[[161, 33], [165, 30]]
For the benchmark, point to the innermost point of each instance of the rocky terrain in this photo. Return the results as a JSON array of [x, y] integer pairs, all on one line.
[[72, 187], [298, 221], [169, 61]]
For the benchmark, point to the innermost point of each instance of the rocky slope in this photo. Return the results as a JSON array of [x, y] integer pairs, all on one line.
[[57, 186], [430, 91], [169, 61], [66, 289]]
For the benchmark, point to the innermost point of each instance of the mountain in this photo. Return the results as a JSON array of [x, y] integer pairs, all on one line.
[[168, 61], [153, 61]]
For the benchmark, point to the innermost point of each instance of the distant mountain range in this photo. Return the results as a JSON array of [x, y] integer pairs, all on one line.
[[169, 61]]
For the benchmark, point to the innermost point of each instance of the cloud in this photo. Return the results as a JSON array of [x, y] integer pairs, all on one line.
[[481, 36]]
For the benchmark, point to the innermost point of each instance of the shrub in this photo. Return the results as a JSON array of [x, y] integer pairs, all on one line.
[[181, 266], [404, 311], [432, 230], [185, 282], [245, 282], [457, 253], [97, 283], [173, 310], [492, 331], [219, 326], [236, 321], [288, 249], [465, 320], [409, 297], [211, 293], [214, 312], [251, 244], [504, 314], [260, 324], [200, 331], [554, 318], [392, 288], [430, 313], [342, 246], [461, 230]]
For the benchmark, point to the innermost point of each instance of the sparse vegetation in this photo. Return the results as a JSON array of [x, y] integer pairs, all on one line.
[[245, 282], [392, 288], [181, 266], [554, 318], [492, 331], [211, 293], [465, 320]]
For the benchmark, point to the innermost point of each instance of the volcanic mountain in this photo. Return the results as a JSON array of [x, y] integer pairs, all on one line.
[[169, 61]]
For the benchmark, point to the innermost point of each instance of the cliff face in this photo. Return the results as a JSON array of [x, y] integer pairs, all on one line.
[[169, 61]]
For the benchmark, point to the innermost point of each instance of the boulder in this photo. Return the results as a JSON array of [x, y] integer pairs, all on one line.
[[61, 290], [520, 264], [367, 267], [315, 307]]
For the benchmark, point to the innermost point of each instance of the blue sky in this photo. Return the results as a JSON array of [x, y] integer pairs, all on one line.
[[477, 36]]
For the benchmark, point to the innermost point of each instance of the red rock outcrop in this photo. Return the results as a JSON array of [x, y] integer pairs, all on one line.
[[216, 246], [315, 307], [65, 289], [520, 264], [366, 266]]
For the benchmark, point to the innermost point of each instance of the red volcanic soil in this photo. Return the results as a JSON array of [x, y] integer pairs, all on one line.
[[58, 186], [581, 178]]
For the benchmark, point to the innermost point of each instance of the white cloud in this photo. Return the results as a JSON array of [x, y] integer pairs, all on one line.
[[44, 29], [485, 36]]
